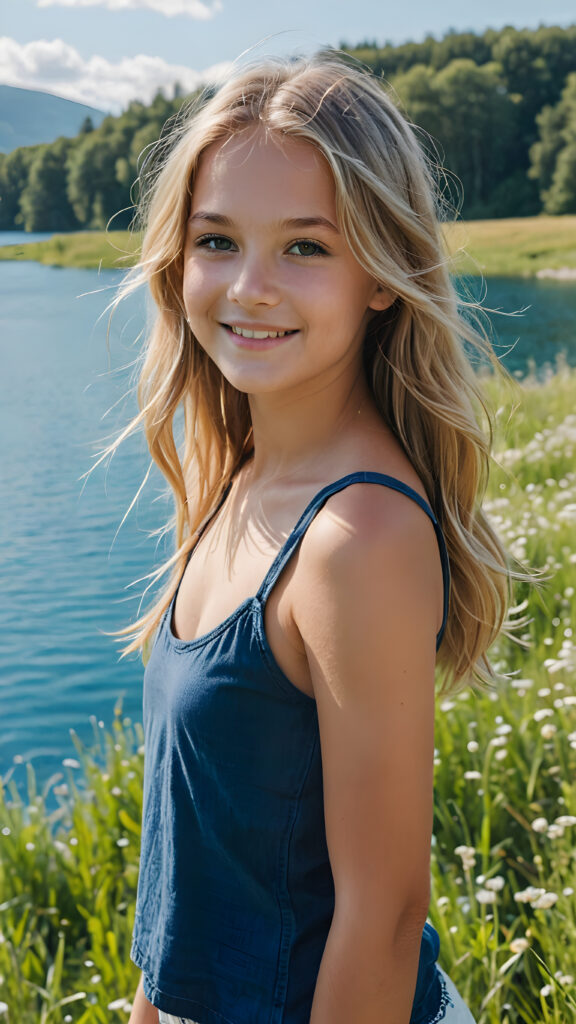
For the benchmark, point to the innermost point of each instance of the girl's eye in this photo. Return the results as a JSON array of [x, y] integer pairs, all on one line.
[[307, 248], [217, 243]]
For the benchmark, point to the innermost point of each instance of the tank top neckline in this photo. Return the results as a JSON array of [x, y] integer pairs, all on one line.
[[281, 559]]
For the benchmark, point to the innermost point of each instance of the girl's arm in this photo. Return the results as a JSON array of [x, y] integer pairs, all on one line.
[[368, 611], [142, 1011]]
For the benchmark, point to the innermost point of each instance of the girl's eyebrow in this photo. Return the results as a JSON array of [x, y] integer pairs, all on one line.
[[293, 222]]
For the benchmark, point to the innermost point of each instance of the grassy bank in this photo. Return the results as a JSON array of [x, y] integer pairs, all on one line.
[[504, 857], [513, 248], [88, 249], [507, 248]]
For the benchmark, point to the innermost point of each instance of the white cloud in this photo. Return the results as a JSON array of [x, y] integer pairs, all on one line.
[[55, 66], [171, 8]]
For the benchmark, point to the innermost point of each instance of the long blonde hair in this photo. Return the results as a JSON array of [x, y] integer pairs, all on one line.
[[422, 381]]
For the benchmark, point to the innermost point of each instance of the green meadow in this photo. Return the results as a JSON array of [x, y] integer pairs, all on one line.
[[503, 856], [503, 248]]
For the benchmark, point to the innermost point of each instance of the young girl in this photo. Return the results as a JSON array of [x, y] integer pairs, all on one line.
[[330, 546]]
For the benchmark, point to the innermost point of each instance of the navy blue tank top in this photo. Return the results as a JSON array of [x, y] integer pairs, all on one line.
[[235, 894]]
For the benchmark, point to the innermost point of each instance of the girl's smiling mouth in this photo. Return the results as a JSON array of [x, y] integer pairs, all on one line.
[[258, 335]]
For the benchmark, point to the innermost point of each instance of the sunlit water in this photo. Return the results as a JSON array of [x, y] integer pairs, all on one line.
[[65, 562]]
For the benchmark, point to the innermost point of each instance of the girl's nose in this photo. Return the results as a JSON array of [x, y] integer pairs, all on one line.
[[253, 284]]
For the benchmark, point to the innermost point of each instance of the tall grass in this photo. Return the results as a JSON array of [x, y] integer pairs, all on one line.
[[503, 859]]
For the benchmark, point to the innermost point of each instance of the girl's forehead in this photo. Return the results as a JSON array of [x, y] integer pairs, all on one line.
[[262, 162], [260, 141]]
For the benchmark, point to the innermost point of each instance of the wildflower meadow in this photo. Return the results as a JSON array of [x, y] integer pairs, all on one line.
[[503, 856]]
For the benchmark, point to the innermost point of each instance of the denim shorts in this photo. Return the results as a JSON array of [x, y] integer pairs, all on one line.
[[452, 1011]]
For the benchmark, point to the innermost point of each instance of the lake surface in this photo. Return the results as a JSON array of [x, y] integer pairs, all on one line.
[[22, 237], [66, 564]]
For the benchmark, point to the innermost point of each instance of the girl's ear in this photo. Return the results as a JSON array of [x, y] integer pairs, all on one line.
[[381, 299]]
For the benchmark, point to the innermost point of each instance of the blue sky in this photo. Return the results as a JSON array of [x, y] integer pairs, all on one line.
[[106, 52]]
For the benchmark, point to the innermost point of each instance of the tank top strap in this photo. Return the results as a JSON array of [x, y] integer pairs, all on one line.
[[320, 499]]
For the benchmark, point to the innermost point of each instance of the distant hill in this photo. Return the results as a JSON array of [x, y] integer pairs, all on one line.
[[28, 117]]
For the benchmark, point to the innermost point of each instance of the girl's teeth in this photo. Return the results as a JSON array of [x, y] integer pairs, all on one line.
[[259, 335]]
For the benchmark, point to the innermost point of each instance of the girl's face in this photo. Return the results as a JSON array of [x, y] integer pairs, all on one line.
[[272, 291]]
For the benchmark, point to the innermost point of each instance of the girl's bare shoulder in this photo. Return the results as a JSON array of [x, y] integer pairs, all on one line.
[[370, 544]]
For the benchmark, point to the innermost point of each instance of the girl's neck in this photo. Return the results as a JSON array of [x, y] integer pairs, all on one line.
[[292, 435]]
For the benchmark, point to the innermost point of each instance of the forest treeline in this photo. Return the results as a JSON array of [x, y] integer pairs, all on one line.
[[499, 108]]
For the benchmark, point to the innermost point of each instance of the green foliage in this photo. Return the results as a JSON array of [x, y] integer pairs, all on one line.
[[478, 133], [43, 202], [82, 182], [479, 99], [554, 155], [482, 98], [14, 170], [504, 856], [68, 878]]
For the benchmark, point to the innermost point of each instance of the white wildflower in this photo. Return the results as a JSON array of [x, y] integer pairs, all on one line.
[[519, 945], [473, 747], [546, 990], [71, 762], [467, 855], [472, 775], [528, 895], [545, 901], [117, 1004], [496, 883], [123, 841], [522, 684], [540, 824], [485, 896], [548, 731], [542, 713]]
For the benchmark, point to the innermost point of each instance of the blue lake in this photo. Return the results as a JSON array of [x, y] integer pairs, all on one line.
[[23, 237], [66, 562]]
